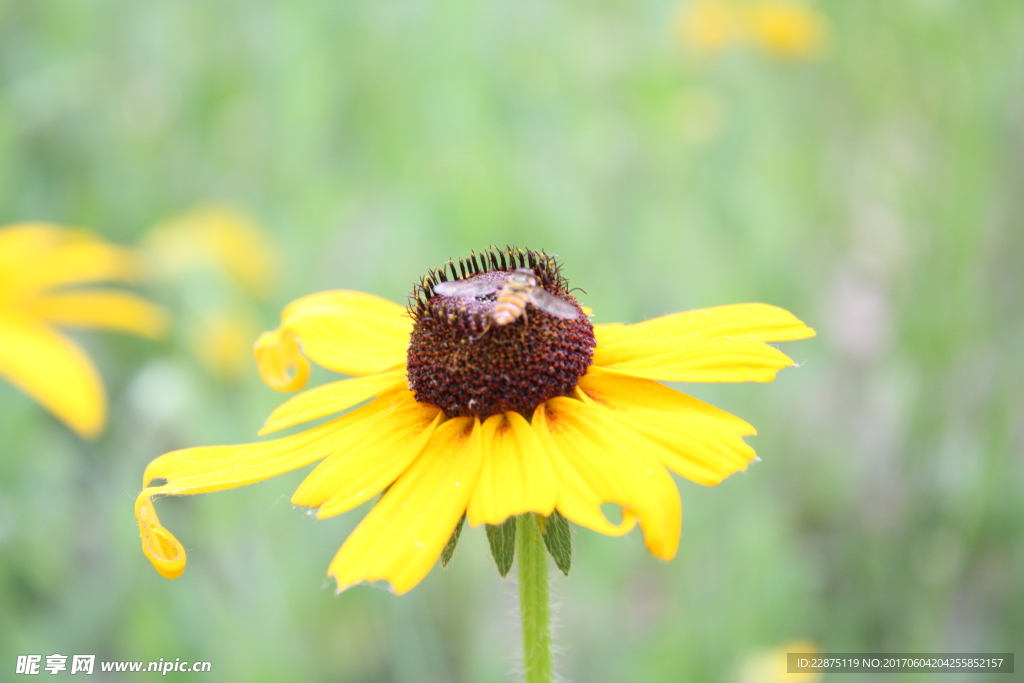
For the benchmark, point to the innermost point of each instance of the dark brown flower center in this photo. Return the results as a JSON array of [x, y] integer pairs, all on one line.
[[489, 341]]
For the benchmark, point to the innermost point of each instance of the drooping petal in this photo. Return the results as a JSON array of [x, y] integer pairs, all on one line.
[[722, 344], [701, 442], [280, 361], [597, 461], [403, 535], [371, 460], [101, 308], [214, 468], [54, 371], [158, 544], [350, 332], [516, 475], [332, 398]]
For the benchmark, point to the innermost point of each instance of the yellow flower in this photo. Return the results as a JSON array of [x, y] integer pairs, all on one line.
[[788, 30], [222, 341], [214, 236], [772, 666], [467, 415], [216, 260], [39, 264], [711, 25], [781, 28]]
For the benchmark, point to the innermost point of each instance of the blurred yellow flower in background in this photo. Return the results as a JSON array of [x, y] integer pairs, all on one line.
[[788, 30], [784, 29], [771, 666], [217, 237], [41, 266], [222, 341], [710, 25], [218, 261]]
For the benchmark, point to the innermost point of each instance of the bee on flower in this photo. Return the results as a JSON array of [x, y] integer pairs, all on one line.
[[47, 281], [547, 414]]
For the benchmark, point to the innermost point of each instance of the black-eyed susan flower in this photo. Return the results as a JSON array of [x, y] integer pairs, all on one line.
[[41, 269], [470, 414]]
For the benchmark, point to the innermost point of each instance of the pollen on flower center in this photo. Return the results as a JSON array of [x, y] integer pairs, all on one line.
[[469, 361]]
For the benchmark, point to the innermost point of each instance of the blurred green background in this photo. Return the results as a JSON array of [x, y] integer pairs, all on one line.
[[874, 188]]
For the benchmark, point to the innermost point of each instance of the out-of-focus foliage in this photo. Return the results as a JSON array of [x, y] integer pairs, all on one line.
[[874, 191]]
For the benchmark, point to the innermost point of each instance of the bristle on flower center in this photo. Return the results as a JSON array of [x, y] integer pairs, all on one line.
[[494, 332]]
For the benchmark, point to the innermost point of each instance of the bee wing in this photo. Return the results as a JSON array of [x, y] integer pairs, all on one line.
[[549, 303], [466, 288]]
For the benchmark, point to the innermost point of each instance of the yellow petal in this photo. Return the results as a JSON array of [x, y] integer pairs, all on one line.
[[215, 468], [371, 460], [403, 535], [597, 461], [332, 398], [722, 344], [42, 256], [105, 309], [19, 241], [350, 332], [700, 442], [158, 544], [280, 361], [516, 475], [54, 371]]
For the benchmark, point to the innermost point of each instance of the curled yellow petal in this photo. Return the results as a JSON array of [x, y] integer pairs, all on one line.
[[280, 361], [215, 468], [158, 544], [350, 332]]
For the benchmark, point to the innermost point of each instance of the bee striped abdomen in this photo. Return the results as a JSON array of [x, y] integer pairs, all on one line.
[[511, 304]]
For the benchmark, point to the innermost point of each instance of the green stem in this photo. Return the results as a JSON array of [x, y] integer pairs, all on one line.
[[533, 601]]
